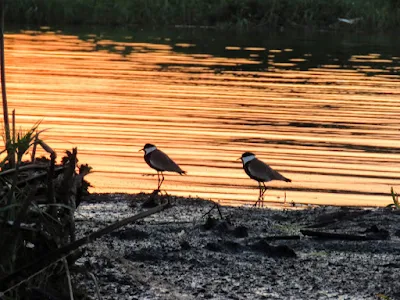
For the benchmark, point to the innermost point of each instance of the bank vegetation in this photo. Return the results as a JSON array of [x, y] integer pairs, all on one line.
[[365, 15]]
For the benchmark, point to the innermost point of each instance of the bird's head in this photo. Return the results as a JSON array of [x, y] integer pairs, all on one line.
[[148, 148], [247, 156]]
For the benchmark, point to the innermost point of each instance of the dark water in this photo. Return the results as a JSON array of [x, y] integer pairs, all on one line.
[[322, 109]]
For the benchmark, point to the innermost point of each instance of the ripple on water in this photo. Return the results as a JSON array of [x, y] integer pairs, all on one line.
[[324, 118]]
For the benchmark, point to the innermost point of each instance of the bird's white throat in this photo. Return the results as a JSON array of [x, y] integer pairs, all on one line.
[[150, 149], [248, 158]]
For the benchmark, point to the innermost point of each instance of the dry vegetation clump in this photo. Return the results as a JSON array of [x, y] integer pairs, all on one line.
[[38, 199]]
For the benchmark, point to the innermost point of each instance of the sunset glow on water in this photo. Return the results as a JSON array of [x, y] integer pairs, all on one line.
[[332, 126]]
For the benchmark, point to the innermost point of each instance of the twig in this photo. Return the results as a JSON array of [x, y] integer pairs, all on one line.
[[26, 180], [96, 284], [55, 255], [215, 205], [27, 167], [24, 208], [2, 293], [12, 240], [71, 292]]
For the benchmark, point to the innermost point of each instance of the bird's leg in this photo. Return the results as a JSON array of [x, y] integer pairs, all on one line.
[[264, 189], [158, 181], [162, 180], [259, 195]]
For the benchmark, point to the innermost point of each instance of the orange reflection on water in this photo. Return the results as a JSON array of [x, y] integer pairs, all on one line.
[[333, 131]]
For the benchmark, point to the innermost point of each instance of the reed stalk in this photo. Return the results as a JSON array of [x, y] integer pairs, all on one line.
[[10, 153]]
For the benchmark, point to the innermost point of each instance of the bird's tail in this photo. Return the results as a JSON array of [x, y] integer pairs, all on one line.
[[279, 176], [183, 172], [287, 179]]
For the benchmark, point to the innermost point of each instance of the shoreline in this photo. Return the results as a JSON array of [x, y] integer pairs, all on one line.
[[252, 254], [280, 205]]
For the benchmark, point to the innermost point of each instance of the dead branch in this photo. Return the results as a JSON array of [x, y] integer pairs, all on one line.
[[37, 141], [50, 178], [24, 208], [67, 273], [96, 284], [216, 205], [281, 237], [37, 176], [334, 217], [59, 253], [25, 168], [344, 236]]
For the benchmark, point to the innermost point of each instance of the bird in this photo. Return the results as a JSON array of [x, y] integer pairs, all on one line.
[[160, 162], [261, 172]]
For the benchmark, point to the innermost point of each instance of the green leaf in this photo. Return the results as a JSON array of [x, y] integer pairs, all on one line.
[[395, 198]]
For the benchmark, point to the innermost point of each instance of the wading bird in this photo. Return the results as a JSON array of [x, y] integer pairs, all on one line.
[[261, 172], [160, 162]]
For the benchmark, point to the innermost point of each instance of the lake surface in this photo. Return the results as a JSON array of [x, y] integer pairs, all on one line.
[[322, 109]]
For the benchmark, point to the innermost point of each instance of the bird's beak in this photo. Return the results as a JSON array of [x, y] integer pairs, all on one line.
[[238, 159], [141, 149]]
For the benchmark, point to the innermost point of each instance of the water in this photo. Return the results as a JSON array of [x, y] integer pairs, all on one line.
[[321, 109]]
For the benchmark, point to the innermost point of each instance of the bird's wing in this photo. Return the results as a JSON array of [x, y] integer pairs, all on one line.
[[162, 162], [260, 170]]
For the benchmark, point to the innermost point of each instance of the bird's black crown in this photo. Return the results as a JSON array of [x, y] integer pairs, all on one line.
[[247, 154], [148, 146]]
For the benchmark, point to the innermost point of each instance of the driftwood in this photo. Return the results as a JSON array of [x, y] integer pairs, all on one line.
[[331, 218], [382, 235], [60, 253], [281, 237]]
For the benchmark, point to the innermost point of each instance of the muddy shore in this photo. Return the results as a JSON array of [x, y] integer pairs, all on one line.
[[252, 253]]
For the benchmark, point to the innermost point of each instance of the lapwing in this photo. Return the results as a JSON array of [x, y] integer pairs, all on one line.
[[160, 162], [261, 172]]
